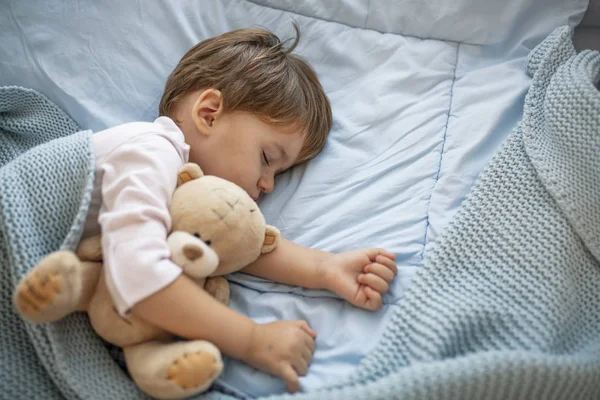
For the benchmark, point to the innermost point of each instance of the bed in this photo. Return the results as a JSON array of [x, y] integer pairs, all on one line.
[[423, 95]]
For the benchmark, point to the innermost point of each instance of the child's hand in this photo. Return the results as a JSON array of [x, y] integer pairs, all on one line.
[[284, 349], [360, 277]]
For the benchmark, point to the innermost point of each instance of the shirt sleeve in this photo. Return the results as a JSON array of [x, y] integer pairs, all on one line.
[[138, 181]]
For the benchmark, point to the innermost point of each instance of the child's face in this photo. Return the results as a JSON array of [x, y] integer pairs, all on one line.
[[239, 146], [247, 151]]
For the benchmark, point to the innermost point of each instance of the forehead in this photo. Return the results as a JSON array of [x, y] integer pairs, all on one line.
[[289, 137], [289, 142]]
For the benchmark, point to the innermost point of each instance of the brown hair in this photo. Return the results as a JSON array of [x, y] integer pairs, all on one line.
[[255, 73]]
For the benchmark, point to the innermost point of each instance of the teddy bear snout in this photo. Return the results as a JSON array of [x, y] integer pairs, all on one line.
[[192, 252]]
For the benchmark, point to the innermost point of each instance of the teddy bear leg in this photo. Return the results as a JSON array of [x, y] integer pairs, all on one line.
[[218, 287], [58, 285], [90, 249], [174, 370], [89, 276]]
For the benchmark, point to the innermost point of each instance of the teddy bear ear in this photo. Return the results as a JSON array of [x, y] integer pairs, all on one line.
[[271, 241], [188, 172]]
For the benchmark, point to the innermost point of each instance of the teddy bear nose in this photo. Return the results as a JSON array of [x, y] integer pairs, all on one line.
[[192, 252]]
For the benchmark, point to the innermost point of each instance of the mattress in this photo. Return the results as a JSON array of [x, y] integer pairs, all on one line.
[[423, 94]]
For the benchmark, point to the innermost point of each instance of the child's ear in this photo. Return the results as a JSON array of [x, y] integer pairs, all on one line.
[[207, 108]]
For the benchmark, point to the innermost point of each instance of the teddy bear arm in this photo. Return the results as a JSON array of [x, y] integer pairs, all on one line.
[[218, 287]]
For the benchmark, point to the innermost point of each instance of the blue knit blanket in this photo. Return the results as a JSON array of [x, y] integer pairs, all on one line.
[[506, 306], [46, 177]]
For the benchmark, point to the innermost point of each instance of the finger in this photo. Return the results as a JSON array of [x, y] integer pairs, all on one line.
[[289, 375], [307, 355], [388, 263], [304, 326], [310, 344], [373, 253], [373, 299], [374, 282], [388, 254], [380, 270], [300, 366]]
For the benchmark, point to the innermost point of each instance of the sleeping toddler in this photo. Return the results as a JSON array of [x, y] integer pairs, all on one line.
[[244, 108]]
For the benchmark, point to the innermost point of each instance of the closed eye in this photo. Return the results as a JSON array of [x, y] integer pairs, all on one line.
[[265, 158]]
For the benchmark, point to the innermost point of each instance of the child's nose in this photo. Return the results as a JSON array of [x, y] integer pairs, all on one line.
[[266, 184]]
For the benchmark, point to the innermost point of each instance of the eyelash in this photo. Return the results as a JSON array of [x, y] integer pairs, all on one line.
[[265, 158]]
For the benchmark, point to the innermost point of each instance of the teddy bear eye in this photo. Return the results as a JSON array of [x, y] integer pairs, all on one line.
[[208, 242], [197, 235], [253, 210]]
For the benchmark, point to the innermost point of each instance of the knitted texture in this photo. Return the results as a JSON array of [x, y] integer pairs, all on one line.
[[46, 177], [508, 304]]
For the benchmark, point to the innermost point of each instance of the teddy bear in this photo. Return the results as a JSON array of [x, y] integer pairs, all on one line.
[[217, 229]]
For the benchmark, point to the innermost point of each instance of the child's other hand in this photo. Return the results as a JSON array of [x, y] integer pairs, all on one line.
[[360, 277], [284, 349]]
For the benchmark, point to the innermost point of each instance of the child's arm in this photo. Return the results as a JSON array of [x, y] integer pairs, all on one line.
[[292, 264], [138, 180], [359, 276], [282, 348]]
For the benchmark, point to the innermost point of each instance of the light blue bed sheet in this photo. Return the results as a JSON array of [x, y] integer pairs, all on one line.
[[422, 97]]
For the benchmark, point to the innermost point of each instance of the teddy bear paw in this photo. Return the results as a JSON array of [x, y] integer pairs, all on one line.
[[47, 293], [195, 369], [173, 370]]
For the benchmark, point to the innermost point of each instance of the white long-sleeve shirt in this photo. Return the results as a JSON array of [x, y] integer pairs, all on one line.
[[136, 174]]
